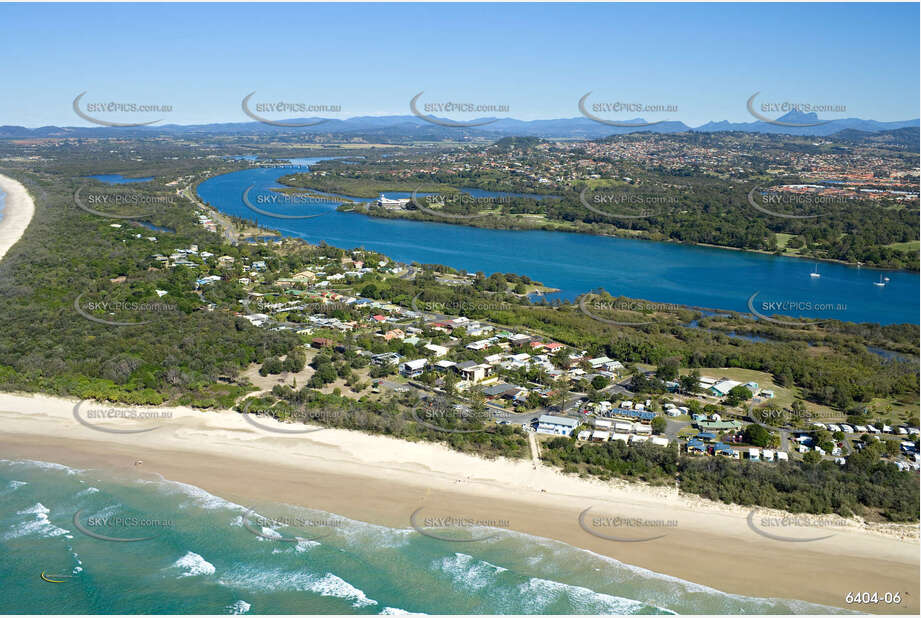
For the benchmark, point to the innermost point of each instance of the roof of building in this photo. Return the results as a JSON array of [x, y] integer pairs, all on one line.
[[634, 413], [724, 386], [498, 389], [549, 419], [419, 363], [719, 424]]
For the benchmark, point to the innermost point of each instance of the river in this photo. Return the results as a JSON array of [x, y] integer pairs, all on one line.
[[667, 273]]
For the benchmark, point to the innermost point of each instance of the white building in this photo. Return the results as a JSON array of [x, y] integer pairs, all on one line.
[[556, 425], [439, 350], [390, 204], [413, 368]]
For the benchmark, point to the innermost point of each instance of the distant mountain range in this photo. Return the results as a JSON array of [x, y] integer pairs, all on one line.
[[413, 127]]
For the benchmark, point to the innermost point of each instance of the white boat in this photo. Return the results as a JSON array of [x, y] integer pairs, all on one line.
[[886, 279], [880, 283], [815, 272]]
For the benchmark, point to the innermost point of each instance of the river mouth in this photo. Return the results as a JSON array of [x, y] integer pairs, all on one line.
[[575, 264]]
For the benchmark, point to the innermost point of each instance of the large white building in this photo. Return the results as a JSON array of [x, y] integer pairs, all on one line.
[[556, 425], [389, 204]]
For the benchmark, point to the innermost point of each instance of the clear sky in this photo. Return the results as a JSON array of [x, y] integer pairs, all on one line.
[[538, 59]]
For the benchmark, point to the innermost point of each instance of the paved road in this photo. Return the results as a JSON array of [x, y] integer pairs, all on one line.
[[672, 427]]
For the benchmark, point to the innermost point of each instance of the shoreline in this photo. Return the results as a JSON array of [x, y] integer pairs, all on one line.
[[383, 480], [17, 213]]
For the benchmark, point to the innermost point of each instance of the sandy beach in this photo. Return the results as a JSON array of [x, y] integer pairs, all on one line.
[[383, 480], [16, 214]]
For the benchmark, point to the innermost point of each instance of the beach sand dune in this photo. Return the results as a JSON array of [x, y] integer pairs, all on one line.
[[384, 480], [16, 215]]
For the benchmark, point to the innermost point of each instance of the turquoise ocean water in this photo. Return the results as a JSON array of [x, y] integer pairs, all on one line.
[[205, 555]]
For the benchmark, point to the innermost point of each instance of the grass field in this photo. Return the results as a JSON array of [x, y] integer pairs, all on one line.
[[911, 245]]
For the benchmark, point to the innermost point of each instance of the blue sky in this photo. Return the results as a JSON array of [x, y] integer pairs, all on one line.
[[538, 59]]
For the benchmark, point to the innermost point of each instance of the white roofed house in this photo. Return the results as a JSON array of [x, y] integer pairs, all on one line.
[[599, 362], [444, 364], [556, 425], [413, 368], [438, 350], [722, 388]]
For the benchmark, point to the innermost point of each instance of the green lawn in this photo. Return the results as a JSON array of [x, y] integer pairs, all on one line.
[[911, 245]]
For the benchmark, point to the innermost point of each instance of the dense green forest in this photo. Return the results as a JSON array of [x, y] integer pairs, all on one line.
[[864, 486], [183, 353], [391, 417]]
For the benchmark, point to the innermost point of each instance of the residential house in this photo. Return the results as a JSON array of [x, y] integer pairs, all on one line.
[[556, 425], [395, 333], [413, 368], [722, 388], [437, 350]]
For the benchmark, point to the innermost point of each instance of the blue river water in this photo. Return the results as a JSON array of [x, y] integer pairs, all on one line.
[[667, 273]]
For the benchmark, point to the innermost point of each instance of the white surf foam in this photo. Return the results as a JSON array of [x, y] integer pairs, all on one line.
[[467, 571], [539, 594], [45, 465], [38, 524], [396, 611], [238, 607], [329, 585], [193, 564]]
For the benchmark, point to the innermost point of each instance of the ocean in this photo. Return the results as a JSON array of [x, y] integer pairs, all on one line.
[[190, 552]]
